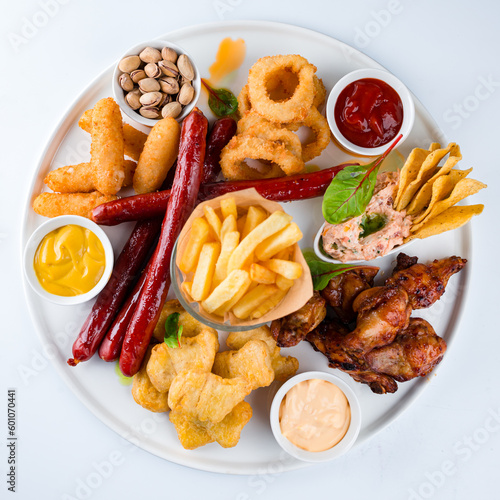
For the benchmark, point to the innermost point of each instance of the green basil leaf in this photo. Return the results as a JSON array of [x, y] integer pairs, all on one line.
[[173, 331], [222, 102], [322, 272]]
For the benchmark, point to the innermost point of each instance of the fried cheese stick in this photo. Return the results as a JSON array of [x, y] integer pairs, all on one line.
[[55, 204], [79, 178], [158, 156], [106, 150], [133, 139]]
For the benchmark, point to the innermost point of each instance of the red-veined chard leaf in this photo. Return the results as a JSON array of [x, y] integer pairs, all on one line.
[[173, 331]]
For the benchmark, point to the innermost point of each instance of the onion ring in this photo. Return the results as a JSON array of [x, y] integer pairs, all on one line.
[[244, 104], [249, 119], [242, 147], [290, 110]]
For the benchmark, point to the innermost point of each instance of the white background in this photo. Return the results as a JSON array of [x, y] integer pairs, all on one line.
[[447, 445]]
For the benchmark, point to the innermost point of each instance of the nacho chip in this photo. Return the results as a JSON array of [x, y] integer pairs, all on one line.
[[284, 367], [423, 197], [206, 396], [252, 361], [193, 433], [195, 353], [465, 187], [425, 172], [452, 218], [144, 392], [441, 189]]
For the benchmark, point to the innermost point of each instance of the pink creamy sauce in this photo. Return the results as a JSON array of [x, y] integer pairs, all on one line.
[[343, 241]]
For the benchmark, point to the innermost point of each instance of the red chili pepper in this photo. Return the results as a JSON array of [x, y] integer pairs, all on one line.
[[114, 293], [221, 133], [180, 205]]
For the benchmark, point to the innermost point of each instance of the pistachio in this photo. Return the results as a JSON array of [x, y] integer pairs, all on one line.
[[133, 99], [169, 54], [152, 70], [149, 85], [186, 94], [185, 67], [151, 99], [169, 85], [128, 64], [126, 82], [172, 109], [137, 75], [183, 80], [150, 55], [150, 112], [165, 99], [168, 68]]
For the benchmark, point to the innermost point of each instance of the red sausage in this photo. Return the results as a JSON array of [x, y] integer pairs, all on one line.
[[113, 294], [221, 133], [180, 205]]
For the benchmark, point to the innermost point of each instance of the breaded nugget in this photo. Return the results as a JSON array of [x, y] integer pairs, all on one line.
[[133, 139], [55, 204], [284, 367], [193, 433], [205, 396], [79, 178], [190, 326], [106, 150], [158, 156], [195, 353], [144, 393], [252, 361]]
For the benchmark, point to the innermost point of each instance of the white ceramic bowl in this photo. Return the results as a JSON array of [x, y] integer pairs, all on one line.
[[36, 238], [318, 250], [317, 456], [378, 74], [119, 93]]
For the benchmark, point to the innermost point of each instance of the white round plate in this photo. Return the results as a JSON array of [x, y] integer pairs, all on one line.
[[96, 382]]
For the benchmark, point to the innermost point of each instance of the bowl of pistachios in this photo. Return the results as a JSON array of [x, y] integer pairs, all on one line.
[[154, 80]]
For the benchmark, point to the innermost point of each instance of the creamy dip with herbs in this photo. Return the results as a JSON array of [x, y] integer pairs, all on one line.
[[374, 233]]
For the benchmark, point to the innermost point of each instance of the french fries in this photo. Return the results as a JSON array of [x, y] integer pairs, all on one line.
[[239, 263]]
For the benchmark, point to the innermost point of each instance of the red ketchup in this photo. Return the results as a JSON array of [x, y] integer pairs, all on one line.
[[369, 113]]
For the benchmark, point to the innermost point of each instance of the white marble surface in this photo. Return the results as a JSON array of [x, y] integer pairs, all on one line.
[[447, 445]]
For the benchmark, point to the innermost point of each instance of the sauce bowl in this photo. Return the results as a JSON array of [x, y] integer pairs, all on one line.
[[343, 446], [34, 242]]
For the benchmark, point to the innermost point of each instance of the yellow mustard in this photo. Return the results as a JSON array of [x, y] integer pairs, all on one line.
[[69, 261]]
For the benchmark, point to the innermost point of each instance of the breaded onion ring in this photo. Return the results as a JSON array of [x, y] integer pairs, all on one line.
[[244, 104], [320, 89], [290, 110], [242, 147], [249, 119], [319, 126]]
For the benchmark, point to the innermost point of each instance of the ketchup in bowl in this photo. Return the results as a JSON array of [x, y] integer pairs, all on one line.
[[369, 113]]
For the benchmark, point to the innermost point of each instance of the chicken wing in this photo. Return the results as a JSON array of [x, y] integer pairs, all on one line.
[[344, 288], [414, 353], [425, 283], [329, 339], [292, 329], [382, 312]]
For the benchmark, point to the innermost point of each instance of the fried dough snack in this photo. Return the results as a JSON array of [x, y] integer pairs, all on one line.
[[159, 154], [205, 396], [284, 367], [195, 353], [55, 204], [252, 362], [194, 433], [107, 147], [144, 392], [79, 178], [133, 139]]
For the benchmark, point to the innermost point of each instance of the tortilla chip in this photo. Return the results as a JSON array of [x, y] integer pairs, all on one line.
[[193, 433], [205, 396], [423, 196], [463, 188], [252, 361], [452, 218], [410, 170], [426, 171], [441, 189]]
